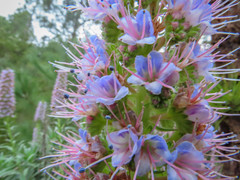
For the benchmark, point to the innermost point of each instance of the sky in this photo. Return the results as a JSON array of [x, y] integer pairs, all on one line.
[[8, 7]]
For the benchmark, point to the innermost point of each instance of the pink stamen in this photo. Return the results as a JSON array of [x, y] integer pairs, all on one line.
[[143, 79], [113, 113], [125, 109], [139, 118], [57, 173], [115, 172], [167, 86], [150, 70], [136, 171], [108, 166], [156, 123], [144, 24], [96, 162], [139, 5], [129, 142]]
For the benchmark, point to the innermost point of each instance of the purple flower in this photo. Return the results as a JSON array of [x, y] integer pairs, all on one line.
[[186, 160], [77, 110], [57, 93], [98, 50], [81, 150], [107, 90], [199, 140], [95, 58], [40, 111], [204, 66], [179, 7], [84, 109], [200, 112], [152, 72], [139, 30], [195, 12], [7, 95], [151, 152], [35, 135], [124, 144], [207, 142], [203, 61], [202, 13]]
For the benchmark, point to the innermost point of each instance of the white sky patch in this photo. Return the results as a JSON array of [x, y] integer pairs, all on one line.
[[8, 7]]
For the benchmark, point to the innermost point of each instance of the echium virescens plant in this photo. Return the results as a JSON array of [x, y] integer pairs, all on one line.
[[143, 97]]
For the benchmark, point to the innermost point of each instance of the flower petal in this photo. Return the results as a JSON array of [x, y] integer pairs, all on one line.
[[105, 101], [154, 87], [144, 166], [121, 158], [143, 18], [157, 60], [128, 39], [141, 65], [146, 40], [173, 175], [135, 80], [188, 154], [121, 93], [168, 71], [83, 134]]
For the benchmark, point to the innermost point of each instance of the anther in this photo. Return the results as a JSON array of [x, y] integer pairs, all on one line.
[[110, 146], [81, 170], [66, 96], [88, 73], [107, 117], [129, 126], [72, 71], [111, 68]]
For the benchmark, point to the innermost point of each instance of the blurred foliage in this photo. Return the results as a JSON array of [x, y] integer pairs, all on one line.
[[34, 77], [18, 159]]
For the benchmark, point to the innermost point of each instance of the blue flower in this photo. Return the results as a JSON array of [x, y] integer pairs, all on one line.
[[152, 72], [203, 66], [107, 90], [207, 135], [96, 56], [188, 160], [152, 149], [202, 60], [93, 59], [200, 112], [139, 30], [195, 12], [124, 143], [83, 134]]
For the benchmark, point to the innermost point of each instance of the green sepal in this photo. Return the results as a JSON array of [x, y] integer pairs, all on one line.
[[97, 125]]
